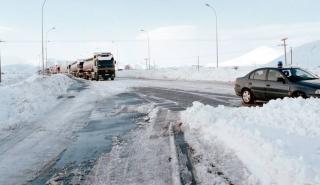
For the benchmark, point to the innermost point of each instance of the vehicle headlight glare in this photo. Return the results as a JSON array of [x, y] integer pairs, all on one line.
[[318, 91]]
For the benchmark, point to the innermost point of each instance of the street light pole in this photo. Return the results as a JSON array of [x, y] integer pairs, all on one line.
[[53, 28], [0, 62], [217, 40], [291, 55], [285, 49], [149, 55], [42, 45]]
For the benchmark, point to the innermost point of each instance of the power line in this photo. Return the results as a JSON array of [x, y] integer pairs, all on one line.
[[141, 40]]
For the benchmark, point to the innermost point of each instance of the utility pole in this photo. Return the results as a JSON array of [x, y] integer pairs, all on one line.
[[198, 65], [0, 62], [47, 33], [146, 59], [291, 53], [42, 25], [285, 49], [149, 54], [217, 39]]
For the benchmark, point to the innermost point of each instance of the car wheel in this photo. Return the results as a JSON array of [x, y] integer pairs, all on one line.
[[247, 96]]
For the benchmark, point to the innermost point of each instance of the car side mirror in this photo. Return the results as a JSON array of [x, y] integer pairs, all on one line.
[[115, 62], [280, 79]]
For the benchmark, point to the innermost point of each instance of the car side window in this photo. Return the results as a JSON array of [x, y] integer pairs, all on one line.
[[260, 75], [251, 76], [273, 75]]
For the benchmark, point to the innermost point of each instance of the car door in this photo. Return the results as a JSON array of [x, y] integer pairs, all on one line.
[[257, 83], [275, 88]]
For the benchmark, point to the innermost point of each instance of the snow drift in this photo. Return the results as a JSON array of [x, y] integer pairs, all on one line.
[[223, 74], [307, 56], [188, 73], [278, 143], [23, 101], [258, 56], [16, 73]]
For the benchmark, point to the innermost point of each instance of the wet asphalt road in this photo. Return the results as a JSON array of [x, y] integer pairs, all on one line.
[[76, 162], [183, 99]]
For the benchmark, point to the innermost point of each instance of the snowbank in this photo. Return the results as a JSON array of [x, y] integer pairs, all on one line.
[[16, 73], [188, 73], [23, 101], [306, 55], [278, 143], [223, 74], [258, 56]]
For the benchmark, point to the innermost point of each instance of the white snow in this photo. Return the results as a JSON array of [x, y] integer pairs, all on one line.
[[307, 56], [34, 96], [225, 74], [258, 56], [278, 143], [16, 73]]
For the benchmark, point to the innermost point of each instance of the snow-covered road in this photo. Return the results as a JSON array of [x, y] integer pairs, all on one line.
[[32, 151], [139, 131]]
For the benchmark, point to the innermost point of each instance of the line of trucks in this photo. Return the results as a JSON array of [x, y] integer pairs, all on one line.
[[100, 67]]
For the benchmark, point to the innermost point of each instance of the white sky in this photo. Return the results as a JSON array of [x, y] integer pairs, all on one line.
[[180, 30]]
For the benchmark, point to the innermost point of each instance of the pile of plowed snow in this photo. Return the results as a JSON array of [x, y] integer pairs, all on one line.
[[307, 55], [16, 73], [188, 73], [258, 56], [21, 102], [223, 74], [277, 143]]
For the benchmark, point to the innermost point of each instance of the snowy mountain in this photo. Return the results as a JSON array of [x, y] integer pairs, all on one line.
[[258, 56], [307, 55]]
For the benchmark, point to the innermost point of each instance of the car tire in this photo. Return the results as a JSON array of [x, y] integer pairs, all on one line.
[[247, 96]]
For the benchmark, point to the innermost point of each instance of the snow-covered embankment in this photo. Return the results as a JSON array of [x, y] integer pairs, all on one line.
[[224, 74], [227, 74], [22, 102], [277, 143]]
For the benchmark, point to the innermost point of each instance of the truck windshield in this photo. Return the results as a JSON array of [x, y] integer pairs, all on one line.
[[296, 74], [105, 63]]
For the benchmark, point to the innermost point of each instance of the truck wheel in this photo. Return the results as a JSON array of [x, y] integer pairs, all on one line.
[[112, 78]]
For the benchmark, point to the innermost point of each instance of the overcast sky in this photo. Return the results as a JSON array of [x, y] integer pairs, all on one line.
[[180, 30]]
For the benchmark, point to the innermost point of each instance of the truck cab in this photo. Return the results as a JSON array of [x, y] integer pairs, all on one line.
[[101, 66]]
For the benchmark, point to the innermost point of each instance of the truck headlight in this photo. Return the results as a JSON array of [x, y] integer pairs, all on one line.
[[317, 91]]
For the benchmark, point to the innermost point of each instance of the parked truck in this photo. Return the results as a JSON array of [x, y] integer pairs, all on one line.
[[76, 68], [100, 66]]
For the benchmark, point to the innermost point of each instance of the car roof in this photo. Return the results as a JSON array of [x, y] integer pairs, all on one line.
[[276, 68]]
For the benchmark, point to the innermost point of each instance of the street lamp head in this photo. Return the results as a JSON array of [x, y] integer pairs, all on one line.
[[208, 5]]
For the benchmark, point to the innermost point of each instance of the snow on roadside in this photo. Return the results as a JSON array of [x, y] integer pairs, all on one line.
[[278, 143], [188, 73], [224, 74], [34, 96]]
